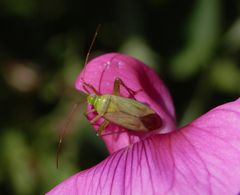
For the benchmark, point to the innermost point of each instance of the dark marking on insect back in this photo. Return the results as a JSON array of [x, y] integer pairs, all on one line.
[[152, 121]]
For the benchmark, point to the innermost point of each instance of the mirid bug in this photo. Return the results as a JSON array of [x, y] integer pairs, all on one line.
[[125, 112], [113, 108], [122, 111]]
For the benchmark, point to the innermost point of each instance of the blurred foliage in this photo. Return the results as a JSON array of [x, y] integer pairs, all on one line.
[[193, 45]]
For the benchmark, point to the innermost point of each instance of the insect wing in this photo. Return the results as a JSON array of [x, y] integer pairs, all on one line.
[[132, 114], [130, 106], [125, 120]]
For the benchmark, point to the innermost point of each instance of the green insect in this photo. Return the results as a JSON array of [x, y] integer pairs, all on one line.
[[113, 108], [125, 112]]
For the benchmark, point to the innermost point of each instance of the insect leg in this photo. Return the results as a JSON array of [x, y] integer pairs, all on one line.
[[102, 127], [91, 87], [116, 88], [85, 88], [95, 119], [89, 111]]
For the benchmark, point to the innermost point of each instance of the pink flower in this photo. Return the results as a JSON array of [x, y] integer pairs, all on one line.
[[200, 158]]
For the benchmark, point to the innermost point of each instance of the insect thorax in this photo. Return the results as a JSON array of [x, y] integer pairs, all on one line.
[[100, 103]]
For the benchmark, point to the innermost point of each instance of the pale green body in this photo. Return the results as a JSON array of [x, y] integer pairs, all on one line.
[[125, 112]]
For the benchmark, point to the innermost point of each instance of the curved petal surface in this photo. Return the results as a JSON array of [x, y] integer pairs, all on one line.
[[201, 158], [101, 74]]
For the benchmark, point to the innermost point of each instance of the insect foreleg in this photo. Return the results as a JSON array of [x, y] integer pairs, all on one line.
[[85, 88], [91, 87]]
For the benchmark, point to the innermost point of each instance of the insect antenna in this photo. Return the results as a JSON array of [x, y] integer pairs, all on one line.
[[91, 46], [75, 106], [92, 43], [65, 129]]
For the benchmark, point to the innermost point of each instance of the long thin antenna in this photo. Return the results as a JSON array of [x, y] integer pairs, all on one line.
[[75, 106], [64, 130], [92, 43]]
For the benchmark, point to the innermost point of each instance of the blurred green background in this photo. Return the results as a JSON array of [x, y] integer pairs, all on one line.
[[193, 45]]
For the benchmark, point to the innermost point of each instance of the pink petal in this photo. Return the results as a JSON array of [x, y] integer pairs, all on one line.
[[101, 73], [201, 158]]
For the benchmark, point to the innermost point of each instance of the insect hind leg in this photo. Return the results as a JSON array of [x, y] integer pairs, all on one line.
[[116, 88]]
